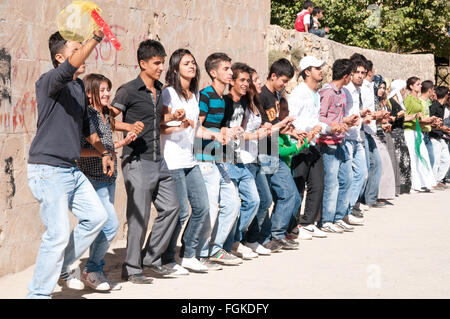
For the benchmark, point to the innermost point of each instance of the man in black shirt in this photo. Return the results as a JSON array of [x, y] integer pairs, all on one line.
[[53, 176], [287, 202], [147, 178], [440, 147]]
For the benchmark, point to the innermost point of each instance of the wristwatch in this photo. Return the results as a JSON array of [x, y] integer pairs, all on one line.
[[108, 153], [97, 38]]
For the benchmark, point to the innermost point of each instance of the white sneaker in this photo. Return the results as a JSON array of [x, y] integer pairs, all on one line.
[[305, 233], [346, 227], [353, 220], [243, 252], [179, 270], [331, 228], [113, 285], [193, 264], [316, 232], [258, 248], [96, 280], [71, 280]]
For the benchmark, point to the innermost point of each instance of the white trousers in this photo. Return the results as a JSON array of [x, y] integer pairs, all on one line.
[[421, 175]]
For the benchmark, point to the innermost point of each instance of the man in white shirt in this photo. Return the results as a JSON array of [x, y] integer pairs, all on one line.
[[354, 141], [372, 155], [307, 166]]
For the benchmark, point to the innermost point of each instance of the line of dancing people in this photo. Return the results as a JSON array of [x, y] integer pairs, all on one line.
[[228, 164]]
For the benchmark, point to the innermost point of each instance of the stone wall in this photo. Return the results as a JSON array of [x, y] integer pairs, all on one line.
[[294, 45], [202, 26], [238, 27]]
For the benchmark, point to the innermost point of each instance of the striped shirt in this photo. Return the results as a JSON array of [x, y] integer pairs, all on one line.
[[212, 106], [332, 109]]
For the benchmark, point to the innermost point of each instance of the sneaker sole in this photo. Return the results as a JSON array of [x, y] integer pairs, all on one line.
[[289, 247], [197, 271], [242, 256], [263, 254], [89, 285], [347, 230], [331, 231], [64, 285], [226, 263]]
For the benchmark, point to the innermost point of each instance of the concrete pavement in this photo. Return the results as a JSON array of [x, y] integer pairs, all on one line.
[[402, 251]]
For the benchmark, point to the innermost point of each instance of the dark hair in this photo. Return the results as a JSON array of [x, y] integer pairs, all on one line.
[[92, 84], [149, 49], [369, 66], [341, 68], [56, 43], [316, 11], [308, 4], [255, 103], [238, 68], [303, 73], [356, 56], [212, 62], [426, 85], [173, 74], [357, 63], [411, 81], [282, 67], [441, 92]]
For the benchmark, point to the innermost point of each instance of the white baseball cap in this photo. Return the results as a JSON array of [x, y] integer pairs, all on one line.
[[310, 60]]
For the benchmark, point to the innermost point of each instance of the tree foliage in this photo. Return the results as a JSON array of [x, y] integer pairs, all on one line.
[[392, 25]]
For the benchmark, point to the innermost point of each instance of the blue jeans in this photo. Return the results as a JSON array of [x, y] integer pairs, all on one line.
[[248, 193], [429, 145], [100, 246], [374, 169], [224, 204], [265, 196], [338, 182], [357, 155], [195, 195], [286, 199], [59, 189], [318, 32]]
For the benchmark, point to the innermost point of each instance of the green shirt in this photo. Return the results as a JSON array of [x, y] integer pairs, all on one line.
[[287, 148], [413, 105]]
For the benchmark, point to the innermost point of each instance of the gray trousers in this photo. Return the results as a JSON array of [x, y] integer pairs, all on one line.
[[147, 182]]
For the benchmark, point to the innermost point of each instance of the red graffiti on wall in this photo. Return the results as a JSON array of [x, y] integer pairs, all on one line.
[[105, 51], [26, 105]]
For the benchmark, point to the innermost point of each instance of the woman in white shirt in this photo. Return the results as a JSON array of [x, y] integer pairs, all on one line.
[[177, 143]]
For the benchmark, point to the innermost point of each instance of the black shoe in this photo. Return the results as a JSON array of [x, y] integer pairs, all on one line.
[[357, 213], [160, 270], [377, 205], [138, 279], [273, 245], [288, 244]]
